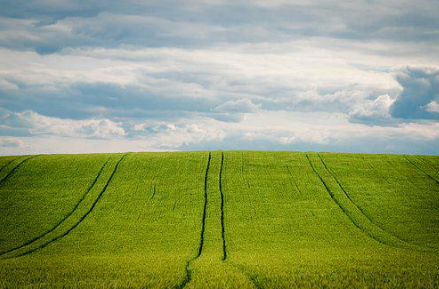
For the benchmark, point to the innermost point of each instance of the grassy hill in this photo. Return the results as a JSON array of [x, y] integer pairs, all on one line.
[[219, 220]]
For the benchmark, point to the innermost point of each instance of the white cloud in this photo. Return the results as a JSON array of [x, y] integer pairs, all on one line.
[[433, 107], [374, 112], [32, 123], [239, 105]]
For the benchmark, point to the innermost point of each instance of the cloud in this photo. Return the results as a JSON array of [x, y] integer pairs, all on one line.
[[29, 123], [420, 88], [263, 130], [11, 143], [174, 82], [240, 105], [374, 112], [432, 107], [165, 74], [51, 26]]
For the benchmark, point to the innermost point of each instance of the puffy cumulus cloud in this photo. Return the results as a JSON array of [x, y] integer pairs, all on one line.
[[417, 101], [234, 110], [239, 105], [283, 130], [262, 130], [420, 92], [432, 107], [176, 134], [29, 123], [155, 134], [374, 112]]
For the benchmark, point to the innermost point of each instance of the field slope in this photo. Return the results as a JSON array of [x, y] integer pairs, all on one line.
[[233, 219]]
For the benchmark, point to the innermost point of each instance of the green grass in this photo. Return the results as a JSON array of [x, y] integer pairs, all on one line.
[[232, 219]]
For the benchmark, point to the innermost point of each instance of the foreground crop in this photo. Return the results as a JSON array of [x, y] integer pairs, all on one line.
[[219, 219]]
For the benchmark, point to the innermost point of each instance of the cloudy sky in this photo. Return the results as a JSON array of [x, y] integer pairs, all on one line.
[[320, 75]]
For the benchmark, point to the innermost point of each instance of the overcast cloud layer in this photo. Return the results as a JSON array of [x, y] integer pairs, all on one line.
[[321, 75]]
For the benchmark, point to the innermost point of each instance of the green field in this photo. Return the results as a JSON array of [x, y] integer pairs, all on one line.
[[233, 219]]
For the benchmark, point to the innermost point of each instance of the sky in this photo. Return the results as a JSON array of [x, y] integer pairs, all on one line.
[[318, 75]]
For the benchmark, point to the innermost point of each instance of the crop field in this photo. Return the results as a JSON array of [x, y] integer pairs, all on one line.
[[233, 219]]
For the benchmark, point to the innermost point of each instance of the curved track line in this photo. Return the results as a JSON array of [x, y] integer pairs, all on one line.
[[421, 170], [63, 219], [346, 194], [188, 277], [7, 164], [80, 220], [397, 243], [428, 162], [366, 215], [16, 168], [337, 202]]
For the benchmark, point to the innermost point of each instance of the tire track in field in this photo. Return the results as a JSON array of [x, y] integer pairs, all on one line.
[[294, 181], [17, 166], [76, 224], [369, 163], [421, 170], [362, 211], [223, 231], [223, 228], [7, 164], [344, 191], [428, 162], [188, 277], [64, 218], [374, 231]]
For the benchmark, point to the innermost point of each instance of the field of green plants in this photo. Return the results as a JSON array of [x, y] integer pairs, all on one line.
[[234, 219]]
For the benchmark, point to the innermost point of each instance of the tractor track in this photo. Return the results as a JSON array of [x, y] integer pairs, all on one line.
[[223, 231], [7, 164], [188, 276], [64, 218], [292, 178], [16, 168], [153, 192], [421, 170], [397, 243], [80, 220], [223, 228], [361, 210], [344, 191], [338, 203]]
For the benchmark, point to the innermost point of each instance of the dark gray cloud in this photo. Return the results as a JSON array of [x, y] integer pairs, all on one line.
[[420, 88]]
